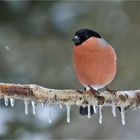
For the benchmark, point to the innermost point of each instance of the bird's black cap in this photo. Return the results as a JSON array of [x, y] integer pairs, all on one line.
[[84, 34]]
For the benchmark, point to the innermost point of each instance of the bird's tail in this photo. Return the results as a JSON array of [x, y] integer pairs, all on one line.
[[84, 110]]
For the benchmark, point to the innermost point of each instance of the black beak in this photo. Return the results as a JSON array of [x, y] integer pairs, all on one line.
[[76, 40]]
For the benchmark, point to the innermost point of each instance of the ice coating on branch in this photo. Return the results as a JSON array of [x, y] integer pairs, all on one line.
[[100, 114], [95, 108], [50, 113], [12, 101], [89, 114], [68, 112], [114, 110], [33, 106], [60, 105], [26, 103], [123, 115], [6, 101]]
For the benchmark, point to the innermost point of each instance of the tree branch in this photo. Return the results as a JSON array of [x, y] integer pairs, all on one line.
[[124, 99]]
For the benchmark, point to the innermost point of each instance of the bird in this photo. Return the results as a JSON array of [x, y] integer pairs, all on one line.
[[94, 61]]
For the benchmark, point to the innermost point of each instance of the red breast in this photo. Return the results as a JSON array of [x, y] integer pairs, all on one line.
[[94, 62]]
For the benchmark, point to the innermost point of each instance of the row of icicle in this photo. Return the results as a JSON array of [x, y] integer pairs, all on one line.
[[68, 107]]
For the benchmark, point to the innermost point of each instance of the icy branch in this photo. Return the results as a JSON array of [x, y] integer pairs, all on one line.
[[29, 92]]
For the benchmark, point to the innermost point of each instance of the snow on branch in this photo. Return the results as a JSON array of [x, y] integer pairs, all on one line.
[[36, 94]]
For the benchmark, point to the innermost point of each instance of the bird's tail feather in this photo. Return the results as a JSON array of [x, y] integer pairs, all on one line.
[[84, 110]]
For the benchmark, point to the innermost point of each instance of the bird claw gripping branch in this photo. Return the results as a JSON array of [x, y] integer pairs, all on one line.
[[110, 90]]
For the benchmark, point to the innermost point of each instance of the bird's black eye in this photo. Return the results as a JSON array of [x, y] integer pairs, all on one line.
[[76, 40]]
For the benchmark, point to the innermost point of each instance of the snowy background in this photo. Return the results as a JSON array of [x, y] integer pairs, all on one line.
[[36, 47]]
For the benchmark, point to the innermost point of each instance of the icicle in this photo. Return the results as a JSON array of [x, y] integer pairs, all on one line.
[[100, 114], [95, 108], [68, 112], [42, 104], [6, 101], [60, 105], [26, 103], [50, 114], [123, 115], [12, 102], [33, 106], [114, 110], [89, 114]]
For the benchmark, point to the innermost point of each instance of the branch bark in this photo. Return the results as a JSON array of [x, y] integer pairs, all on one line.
[[30, 92]]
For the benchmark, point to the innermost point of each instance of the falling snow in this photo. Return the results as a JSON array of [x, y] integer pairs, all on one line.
[[123, 115], [7, 47], [26, 103], [6, 101], [68, 112], [12, 101], [114, 110], [50, 113], [89, 114], [100, 114], [33, 106]]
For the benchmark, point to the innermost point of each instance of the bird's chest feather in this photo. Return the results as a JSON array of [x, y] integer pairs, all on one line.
[[94, 61], [92, 57]]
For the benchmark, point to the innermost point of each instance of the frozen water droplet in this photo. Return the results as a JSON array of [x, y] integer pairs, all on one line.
[[114, 110], [12, 101], [50, 114], [6, 101], [26, 103], [89, 114], [95, 108], [68, 112], [123, 115], [60, 105], [100, 114], [42, 104], [33, 106]]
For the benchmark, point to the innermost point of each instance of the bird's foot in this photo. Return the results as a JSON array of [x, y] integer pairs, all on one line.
[[84, 110], [111, 91], [94, 91], [79, 91]]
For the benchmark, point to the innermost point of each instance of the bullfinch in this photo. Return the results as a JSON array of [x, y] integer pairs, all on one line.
[[94, 62]]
